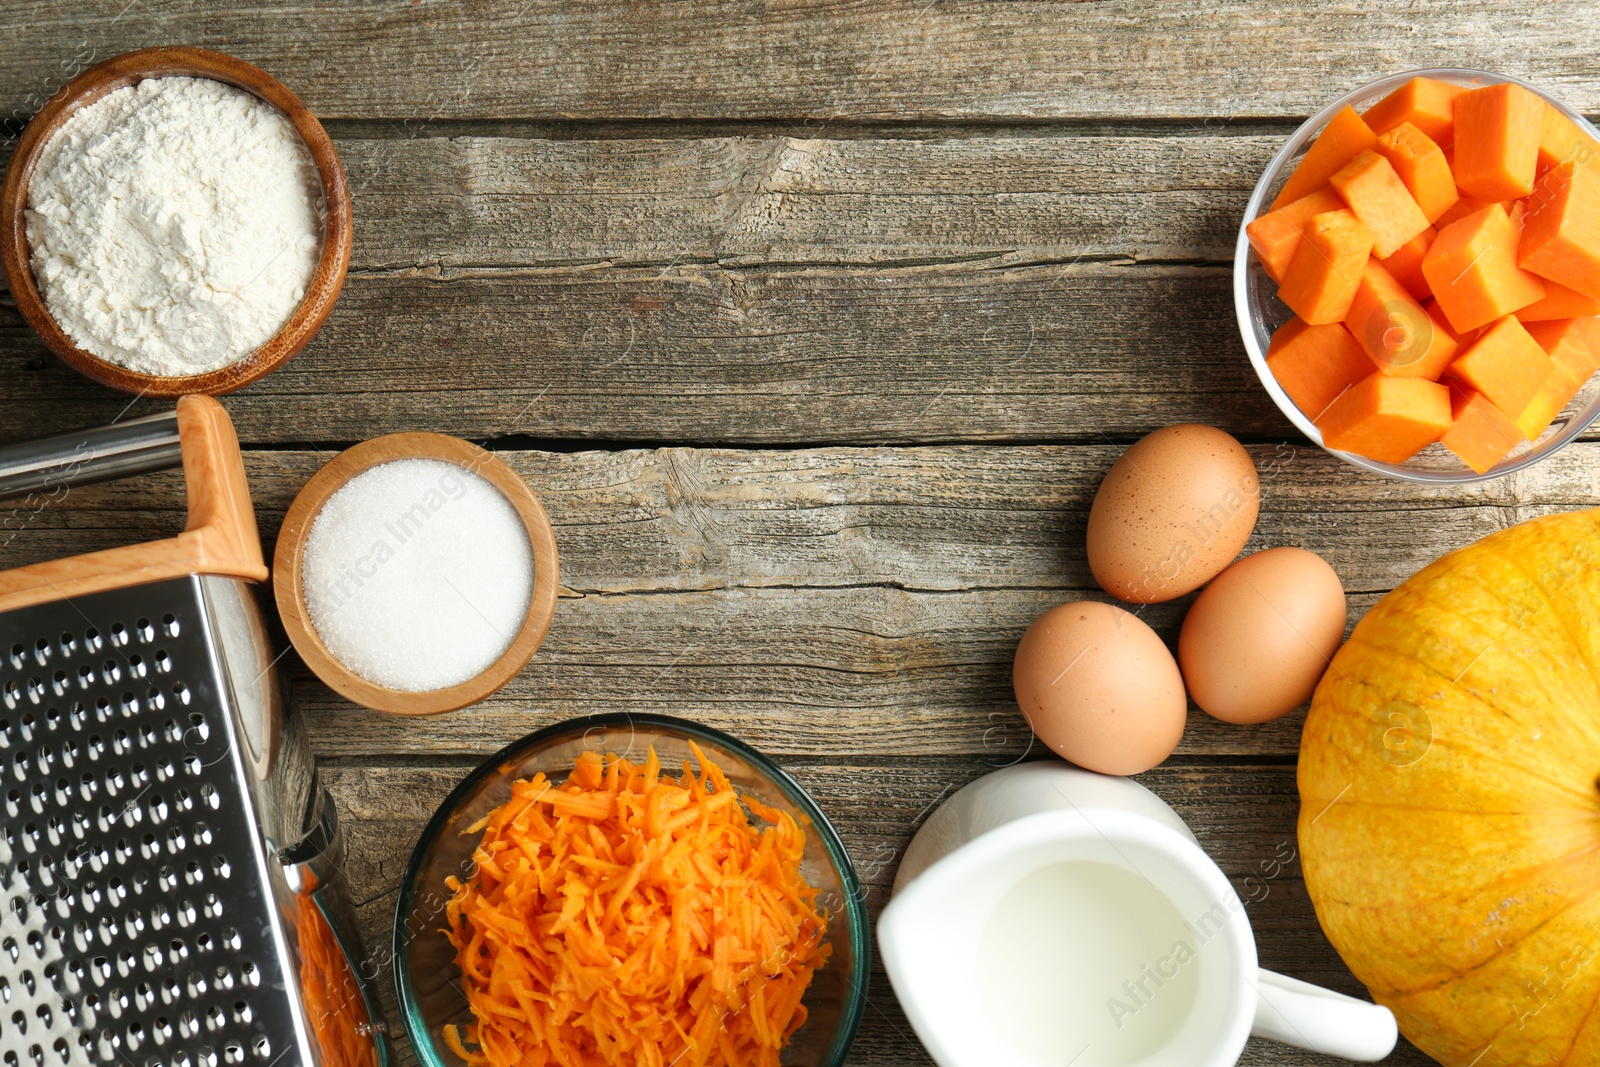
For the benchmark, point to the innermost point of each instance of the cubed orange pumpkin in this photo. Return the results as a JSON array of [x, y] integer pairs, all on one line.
[[1276, 235], [1341, 140], [1480, 434], [1426, 103], [1421, 166], [1574, 350], [1405, 263], [1435, 312], [1314, 364], [1372, 189], [1498, 128], [1504, 363], [1569, 342], [1472, 269], [1589, 327], [1464, 206], [1561, 230], [1322, 278], [1387, 418], [1394, 328], [1561, 141], [1559, 303], [1553, 395]]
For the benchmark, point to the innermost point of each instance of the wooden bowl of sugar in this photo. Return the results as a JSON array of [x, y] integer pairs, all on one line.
[[416, 573], [251, 292]]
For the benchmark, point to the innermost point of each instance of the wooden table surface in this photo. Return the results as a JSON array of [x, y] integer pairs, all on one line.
[[814, 325]]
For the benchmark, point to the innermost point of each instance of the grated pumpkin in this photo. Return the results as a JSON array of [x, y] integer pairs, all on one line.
[[626, 917]]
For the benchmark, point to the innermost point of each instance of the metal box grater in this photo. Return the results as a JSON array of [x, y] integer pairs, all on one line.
[[169, 865]]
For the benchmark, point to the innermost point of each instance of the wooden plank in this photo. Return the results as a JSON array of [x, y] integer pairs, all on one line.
[[813, 600], [506, 306], [904, 59], [1016, 327], [755, 201], [1244, 816], [1035, 196], [703, 354]]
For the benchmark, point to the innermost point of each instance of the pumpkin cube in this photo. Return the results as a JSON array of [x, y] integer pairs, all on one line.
[[1438, 314], [1426, 103], [1276, 235], [1372, 189], [1505, 364], [1422, 167], [1314, 364], [1341, 140], [1574, 353], [1405, 263], [1561, 141], [1322, 278], [1464, 206], [1498, 128], [1569, 342], [1561, 231], [1472, 269], [1481, 435], [1387, 418], [1555, 393], [1559, 303], [1395, 330]]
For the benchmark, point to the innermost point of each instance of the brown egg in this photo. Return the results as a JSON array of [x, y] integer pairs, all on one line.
[[1173, 511], [1258, 639], [1099, 687]]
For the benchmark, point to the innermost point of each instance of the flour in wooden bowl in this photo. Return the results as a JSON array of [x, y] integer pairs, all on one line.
[[174, 225]]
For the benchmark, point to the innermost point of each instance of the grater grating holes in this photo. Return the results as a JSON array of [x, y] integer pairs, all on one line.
[[121, 763]]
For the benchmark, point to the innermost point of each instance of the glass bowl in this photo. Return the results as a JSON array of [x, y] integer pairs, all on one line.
[[424, 963], [1260, 311]]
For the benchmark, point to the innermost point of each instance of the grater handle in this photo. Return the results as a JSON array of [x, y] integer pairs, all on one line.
[[49, 465], [220, 537]]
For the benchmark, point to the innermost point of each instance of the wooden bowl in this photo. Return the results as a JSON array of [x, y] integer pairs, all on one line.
[[289, 590], [128, 69]]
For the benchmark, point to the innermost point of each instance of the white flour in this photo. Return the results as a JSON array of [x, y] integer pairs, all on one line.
[[174, 225]]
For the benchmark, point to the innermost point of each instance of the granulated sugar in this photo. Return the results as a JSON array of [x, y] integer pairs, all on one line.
[[174, 225], [417, 574]]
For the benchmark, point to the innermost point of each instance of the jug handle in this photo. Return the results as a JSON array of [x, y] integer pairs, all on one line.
[[1310, 1017]]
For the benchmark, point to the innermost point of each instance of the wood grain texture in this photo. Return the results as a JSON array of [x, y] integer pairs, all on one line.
[[1033, 195], [502, 287], [704, 354], [761, 201], [811, 599], [758, 290], [1243, 815], [1015, 328], [815, 59]]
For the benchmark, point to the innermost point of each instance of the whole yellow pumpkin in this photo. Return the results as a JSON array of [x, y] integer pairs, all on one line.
[[1450, 816]]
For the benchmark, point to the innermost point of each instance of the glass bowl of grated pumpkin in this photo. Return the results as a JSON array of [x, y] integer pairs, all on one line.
[[630, 890]]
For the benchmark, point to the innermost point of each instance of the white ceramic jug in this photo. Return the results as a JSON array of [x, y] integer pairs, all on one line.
[[1043, 878]]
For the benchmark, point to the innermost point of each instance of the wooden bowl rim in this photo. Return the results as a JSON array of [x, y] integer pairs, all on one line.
[[289, 591], [129, 69]]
